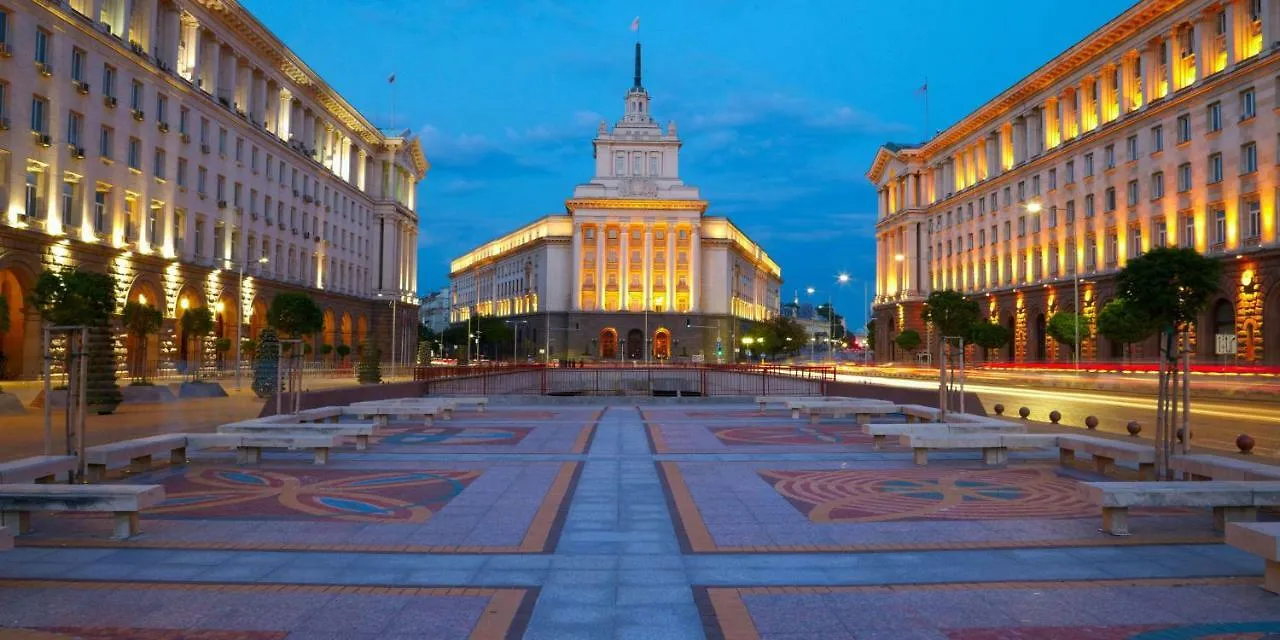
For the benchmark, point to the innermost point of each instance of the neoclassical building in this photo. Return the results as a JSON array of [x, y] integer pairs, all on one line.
[[635, 263], [1159, 129], [175, 144]]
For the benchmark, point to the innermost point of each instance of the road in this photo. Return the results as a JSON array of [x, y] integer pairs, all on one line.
[[1214, 423]]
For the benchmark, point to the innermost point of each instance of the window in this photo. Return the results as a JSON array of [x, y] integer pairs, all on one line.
[[1157, 139], [1091, 252], [162, 108], [1248, 104], [42, 46], [182, 172], [1252, 221], [1109, 156], [1053, 179], [1071, 171], [153, 218], [77, 64], [1161, 231], [33, 202], [239, 149], [1157, 185], [1135, 241], [1113, 246], [1035, 185], [1053, 216], [1184, 177], [1022, 226], [1184, 128], [1088, 206], [159, 163], [1088, 165], [4, 27], [202, 180], [1022, 190], [75, 129], [653, 164], [70, 212], [620, 164], [135, 95], [1109, 199], [39, 115], [1219, 226], [100, 211], [105, 138], [222, 141], [1215, 168], [1071, 211], [1248, 158], [204, 131], [1187, 239], [1131, 193], [270, 158], [108, 80], [1008, 197], [135, 154], [1215, 117], [1131, 147], [184, 120]]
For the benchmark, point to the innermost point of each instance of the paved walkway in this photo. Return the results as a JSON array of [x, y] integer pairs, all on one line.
[[678, 521]]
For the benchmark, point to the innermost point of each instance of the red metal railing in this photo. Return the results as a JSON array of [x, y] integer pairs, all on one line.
[[666, 380]]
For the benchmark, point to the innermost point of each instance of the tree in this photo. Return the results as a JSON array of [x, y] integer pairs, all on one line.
[[295, 314], [369, 371], [4, 328], [1064, 325], [990, 335], [778, 335], [423, 357], [871, 334], [908, 340], [266, 363], [141, 320], [196, 324], [495, 334], [951, 313], [74, 297], [835, 321], [1173, 286], [1125, 322], [343, 351], [222, 346]]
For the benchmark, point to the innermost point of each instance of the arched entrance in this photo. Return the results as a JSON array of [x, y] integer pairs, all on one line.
[[362, 330], [142, 356], [257, 319], [662, 344], [188, 352], [346, 330], [329, 334], [1007, 351], [17, 343], [608, 344], [1223, 323], [635, 344], [1038, 337], [1271, 326]]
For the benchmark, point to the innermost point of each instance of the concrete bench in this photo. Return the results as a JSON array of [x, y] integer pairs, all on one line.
[[1230, 501], [478, 402], [995, 446], [124, 501], [1261, 539], [797, 407], [382, 413], [250, 446], [135, 453], [880, 432], [861, 413], [357, 430], [39, 469], [921, 413], [321, 414], [765, 401], [1105, 452], [1210, 467]]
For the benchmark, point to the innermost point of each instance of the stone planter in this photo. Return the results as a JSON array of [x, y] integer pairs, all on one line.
[[201, 389]]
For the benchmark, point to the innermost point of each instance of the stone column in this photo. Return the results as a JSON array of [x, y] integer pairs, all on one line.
[[624, 266], [648, 266], [671, 269], [575, 262], [1234, 29], [1150, 72], [1019, 140], [695, 267], [601, 267], [1203, 43]]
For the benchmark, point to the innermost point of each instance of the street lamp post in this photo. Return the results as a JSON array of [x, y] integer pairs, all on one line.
[[515, 336], [393, 333], [240, 314]]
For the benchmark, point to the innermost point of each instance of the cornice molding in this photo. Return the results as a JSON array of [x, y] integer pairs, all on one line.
[[573, 204]]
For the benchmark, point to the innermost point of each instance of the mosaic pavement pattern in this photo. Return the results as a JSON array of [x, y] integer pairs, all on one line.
[[689, 521]]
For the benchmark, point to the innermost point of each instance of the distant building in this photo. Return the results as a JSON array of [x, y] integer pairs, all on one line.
[[434, 312], [1156, 130], [635, 260]]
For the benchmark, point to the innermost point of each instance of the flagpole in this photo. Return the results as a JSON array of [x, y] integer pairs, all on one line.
[[927, 134]]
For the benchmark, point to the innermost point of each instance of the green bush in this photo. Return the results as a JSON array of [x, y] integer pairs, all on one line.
[[369, 370], [266, 363]]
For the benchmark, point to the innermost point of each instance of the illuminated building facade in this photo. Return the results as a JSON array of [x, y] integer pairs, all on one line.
[[173, 143], [1159, 129], [634, 247]]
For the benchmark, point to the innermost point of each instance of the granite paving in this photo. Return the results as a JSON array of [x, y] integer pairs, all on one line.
[[702, 519]]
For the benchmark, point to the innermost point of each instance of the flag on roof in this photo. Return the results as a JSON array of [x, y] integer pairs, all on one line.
[[635, 24]]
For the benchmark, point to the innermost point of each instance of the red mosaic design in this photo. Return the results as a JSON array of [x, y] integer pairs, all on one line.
[[1012, 493], [723, 414], [311, 494], [451, 436], [109, 633], [807, 434]]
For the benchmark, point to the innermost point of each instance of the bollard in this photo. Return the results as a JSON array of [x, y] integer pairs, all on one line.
[[1245, 443], [1091, 422], [1181, 435], [1023, 412], [1133, 428], [999, 409], [1054, 416]]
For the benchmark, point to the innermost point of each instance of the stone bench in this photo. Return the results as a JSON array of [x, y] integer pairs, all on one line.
[[124, 501], [1230, 501], [860, 412], [921, 413], [1105, 452], [250, 445], [995, 446], [321, 414], [1210, 467], [765, 401], [382, 414], [803, 405], [478, 402], [39, 469], [359, 431], [135, 453], [1261, 539], [880, 432]]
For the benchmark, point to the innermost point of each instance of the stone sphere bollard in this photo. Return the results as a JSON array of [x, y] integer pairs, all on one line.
[[1134, 428], [1023, 412], [1245, 443], [1091, 422], [999, 409], [1054, 416], [1180, 435]]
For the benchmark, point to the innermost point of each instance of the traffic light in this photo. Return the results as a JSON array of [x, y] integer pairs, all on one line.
[[688, 323]]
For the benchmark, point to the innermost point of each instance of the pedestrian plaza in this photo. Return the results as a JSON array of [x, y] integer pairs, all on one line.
[[664, 520]]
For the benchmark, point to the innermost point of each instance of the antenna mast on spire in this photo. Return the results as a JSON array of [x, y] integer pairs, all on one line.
[[638, 85]]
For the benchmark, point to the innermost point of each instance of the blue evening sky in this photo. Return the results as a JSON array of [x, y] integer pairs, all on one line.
[[781, 105]]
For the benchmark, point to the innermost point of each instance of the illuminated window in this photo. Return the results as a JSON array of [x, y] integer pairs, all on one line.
[[1219, 216], [1215, 168], [1184, 177], [1109, 199], [1252, 220], [1248, 158], [1188, 237], [1157, 185], [1131, 193]]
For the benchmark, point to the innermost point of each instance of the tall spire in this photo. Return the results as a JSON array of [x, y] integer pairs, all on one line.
[[637, 83]]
